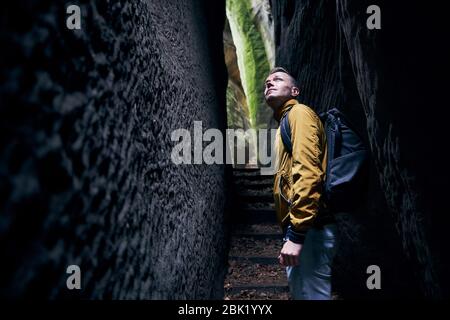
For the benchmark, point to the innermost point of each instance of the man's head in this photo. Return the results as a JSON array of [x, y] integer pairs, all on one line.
[[280, 86]]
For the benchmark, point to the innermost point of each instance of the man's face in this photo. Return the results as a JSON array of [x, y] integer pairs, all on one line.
[[279, 88]]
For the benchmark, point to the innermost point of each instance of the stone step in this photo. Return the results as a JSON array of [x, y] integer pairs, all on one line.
[[251, 175], [253, 184], [256, 197], [258, 231], [252, 180], [243, 273], [272, 236], [262, 195], [261, 228], [246, 295], [266, 288], [259, 206], [258, 189], [244, 247], [254, 216], [256, 260], [238, 168]]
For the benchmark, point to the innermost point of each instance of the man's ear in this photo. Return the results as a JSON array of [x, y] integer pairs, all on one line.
[[295, 91]]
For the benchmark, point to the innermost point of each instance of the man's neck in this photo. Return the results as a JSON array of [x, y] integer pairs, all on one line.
[[279, 112]]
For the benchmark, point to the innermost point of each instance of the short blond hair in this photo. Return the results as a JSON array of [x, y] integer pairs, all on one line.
[[281, 69]]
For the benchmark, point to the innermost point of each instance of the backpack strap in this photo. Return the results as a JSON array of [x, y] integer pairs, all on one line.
[[334, 137], [285, 131]]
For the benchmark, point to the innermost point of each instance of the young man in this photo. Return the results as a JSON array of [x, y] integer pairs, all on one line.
[[310, 233]]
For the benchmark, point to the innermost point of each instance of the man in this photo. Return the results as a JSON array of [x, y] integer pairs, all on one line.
[[310, 233]]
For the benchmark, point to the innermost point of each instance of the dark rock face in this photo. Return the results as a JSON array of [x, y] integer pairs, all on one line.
[[86, 171], [392, 84]]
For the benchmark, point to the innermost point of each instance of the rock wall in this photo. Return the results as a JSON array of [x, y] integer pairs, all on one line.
[[238, 115], [86, 174], [391, 83]]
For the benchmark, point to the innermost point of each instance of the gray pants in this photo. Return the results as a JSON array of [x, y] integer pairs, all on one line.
[[311, 278]]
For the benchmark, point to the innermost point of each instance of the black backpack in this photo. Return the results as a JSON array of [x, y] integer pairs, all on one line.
[[346, 162]]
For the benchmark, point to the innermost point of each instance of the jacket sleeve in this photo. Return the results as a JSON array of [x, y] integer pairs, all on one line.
[[307, 171]]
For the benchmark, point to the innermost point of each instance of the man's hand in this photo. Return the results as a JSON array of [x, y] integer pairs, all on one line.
[[289, 255]]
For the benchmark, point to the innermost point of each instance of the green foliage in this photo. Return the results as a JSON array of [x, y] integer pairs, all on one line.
[[251, 54]]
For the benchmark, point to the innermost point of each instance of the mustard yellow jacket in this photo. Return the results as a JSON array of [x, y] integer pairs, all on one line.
[[298, 178]]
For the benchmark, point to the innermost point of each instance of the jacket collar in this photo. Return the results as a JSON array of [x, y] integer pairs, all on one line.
[[279, 113]]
